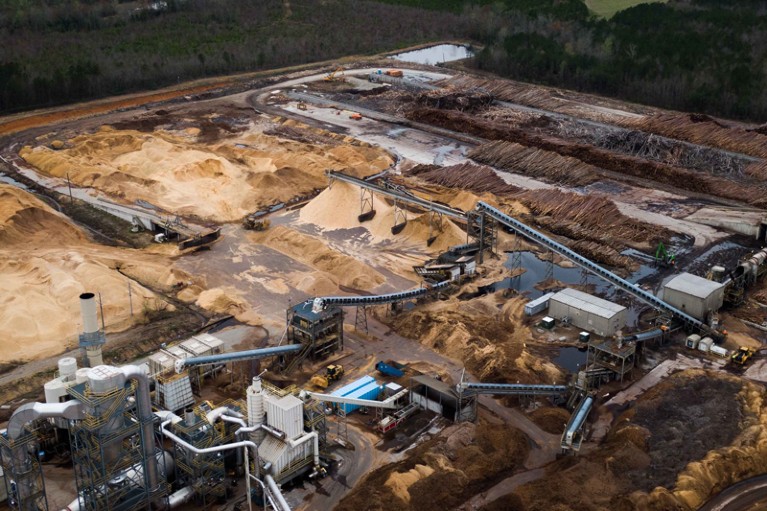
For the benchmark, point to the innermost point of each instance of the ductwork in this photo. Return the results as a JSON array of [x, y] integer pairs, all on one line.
[[275, 490], [180, 497], [144, 408], [213, 415], [71, 410]]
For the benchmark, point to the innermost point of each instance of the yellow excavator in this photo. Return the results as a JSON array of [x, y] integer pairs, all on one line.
[[333, 373], [337, 75]]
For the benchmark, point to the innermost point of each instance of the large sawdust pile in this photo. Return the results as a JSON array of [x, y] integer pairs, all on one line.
[[46, 263], [228, 300], [443, 472], [338, 268], [338, 207], [490, 341], [221, 181], [696, 433]]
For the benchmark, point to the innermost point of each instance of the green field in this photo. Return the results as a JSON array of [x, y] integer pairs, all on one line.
[[606, 8]]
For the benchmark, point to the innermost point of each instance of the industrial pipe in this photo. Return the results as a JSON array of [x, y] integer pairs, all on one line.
[[180, 497], [144, 408], [71, 410], [305, 438], [272, 484]]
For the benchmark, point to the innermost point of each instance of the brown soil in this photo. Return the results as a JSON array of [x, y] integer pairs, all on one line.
[[697, 433], [550, 419], [443, 472]]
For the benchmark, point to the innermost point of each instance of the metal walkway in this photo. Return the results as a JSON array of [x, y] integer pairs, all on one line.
[[361, 301], [400, 195], [584, 263], [234, 356], [512, 389]]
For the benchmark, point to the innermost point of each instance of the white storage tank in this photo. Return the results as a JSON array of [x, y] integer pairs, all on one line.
[[705, 344], [692, 341], [67, 368], [719, 351]]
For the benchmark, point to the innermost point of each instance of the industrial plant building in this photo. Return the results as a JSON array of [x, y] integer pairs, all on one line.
[[587, 312], [694, 295]]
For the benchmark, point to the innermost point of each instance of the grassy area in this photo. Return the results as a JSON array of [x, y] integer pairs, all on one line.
[[607, 8]]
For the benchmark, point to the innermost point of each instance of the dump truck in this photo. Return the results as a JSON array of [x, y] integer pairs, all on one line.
[[333, 373], [742, 355], [355, 116], [396, 73]]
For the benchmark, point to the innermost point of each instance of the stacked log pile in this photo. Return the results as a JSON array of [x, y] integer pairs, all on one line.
[[600, 158], [466, 176]]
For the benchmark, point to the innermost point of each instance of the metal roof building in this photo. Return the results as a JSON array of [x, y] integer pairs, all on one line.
[[694, 295], [587, 312]]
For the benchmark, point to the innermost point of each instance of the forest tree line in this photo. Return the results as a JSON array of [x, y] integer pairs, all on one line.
[[698, 55]]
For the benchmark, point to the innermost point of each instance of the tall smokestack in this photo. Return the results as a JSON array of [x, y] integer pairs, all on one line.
[[92, 338]]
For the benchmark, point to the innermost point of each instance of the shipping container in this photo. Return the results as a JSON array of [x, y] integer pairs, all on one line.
[[692, 341], [538, 305], [389, 370], [371, 391], [351, 387], [705, 344], [718, 350]]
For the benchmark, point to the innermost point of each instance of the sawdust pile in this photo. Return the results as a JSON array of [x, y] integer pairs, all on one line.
[[228, 300], [697, 433], [337, 207], [46, 263], [550, 419], [222, 180], [444, 472], [535, 162], [489, 340], [333, 266], [621, 165]]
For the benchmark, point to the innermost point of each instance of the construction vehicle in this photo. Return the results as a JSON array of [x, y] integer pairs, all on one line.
[[301, 105], [742, 355], [396, 73], [333, 372], [337, 75], [663, 256], [355, 116], [255, 224]]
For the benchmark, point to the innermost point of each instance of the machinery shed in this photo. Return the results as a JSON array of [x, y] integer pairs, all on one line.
[[587, 312], [694, 295]]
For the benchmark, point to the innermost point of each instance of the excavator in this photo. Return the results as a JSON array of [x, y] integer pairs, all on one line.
[[337, 75], [663, 256]]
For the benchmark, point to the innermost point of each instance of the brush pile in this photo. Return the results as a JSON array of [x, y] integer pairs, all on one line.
[[456, 98]]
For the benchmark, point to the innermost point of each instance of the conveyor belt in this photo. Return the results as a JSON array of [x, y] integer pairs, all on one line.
[[514, 389], [405, 197], [359, 301], [584, 263], [237, 355]]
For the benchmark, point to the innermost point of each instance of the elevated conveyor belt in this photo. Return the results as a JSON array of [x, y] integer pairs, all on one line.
[[513, 389], [390, 403], [572, 437], [360, 301], [399, 195], [233, 356], [584, 263]]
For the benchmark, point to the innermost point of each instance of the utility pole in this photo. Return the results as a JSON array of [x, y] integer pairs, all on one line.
[[101, 306], [130, 299], [69, 185]]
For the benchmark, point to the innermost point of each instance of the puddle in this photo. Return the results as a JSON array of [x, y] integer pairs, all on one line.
[[11, 181], [435, 54], [571, 359]]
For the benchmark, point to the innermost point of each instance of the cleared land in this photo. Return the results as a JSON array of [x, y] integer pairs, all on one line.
[[607, 8]]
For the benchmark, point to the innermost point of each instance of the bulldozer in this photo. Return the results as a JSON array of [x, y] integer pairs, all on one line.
[[333, 372], [253, 224], [742, 355]]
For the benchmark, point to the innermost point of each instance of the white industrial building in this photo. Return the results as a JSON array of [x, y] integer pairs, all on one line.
[[694, 295], [587, 312]]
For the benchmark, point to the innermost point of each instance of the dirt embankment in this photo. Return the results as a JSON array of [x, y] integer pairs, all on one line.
[[490, 341], [685, 440], [46, 262], [444, 472], [619, 164], [187, 171]]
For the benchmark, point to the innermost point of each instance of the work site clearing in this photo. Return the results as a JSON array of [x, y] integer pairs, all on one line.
[[481, 294]]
